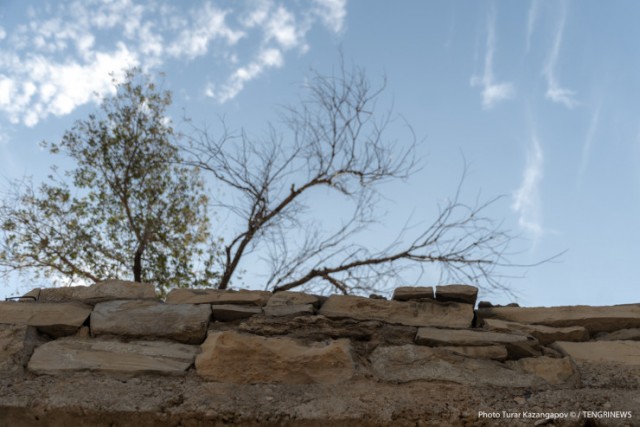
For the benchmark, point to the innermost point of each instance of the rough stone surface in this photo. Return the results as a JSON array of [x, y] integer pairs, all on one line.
[[289, 310], [493, 352], [54, 319], [553, 370], [411, 362], [411, 313], [293, 298], [621, 352], [544, 334], [229, 312], [217, 296], [185, 323], [457, 293], [107, 290], [16, 345], [622, 334], [406, 293], [62, 356], [594, 319], [243, 359]]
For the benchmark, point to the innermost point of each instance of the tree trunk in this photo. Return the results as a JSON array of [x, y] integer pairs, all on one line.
[[137, 265]]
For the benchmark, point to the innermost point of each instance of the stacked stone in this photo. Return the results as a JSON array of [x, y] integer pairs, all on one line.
[[121, 328]]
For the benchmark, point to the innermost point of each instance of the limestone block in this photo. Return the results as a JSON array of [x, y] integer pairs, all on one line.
[[406, 293], [493, 352], [217, 296], [594, 319], [107, 290], [293, 298], [53, 319], [517, 345], [16, 345], [457, 293], [235, 358], [229, 312], [185, 323], [553, 370], [544, 334], [622, 334], [622, 352], [408, 363], [288, 310], [410, 313], [68, 355]]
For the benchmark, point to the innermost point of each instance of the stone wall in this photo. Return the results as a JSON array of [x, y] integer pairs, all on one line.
[[114, 355]]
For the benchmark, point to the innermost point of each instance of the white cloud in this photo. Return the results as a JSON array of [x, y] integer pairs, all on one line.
[[492, 92], [588, 143], [526, 200], [532, 16], [66, 52], [555, 92]]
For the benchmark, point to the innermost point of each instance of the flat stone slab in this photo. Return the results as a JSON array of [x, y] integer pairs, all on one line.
[[288, 310], [622, 352], [410, 313], [544, 334], [553, 370], [107, 290], [229, 312], [217, 296], [594, 319], [408, 363], [68, 355], [54, 319], [407, 293], [16, 345], [457, 293], [185, 323], [622, 334], [293, 298], [493, 352], [236, 358]]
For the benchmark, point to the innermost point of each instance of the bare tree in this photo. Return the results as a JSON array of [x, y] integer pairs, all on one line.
[[335, 140]]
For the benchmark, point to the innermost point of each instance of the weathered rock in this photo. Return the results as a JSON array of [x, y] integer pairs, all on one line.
[[411, 313], [320, 328], [622, 352], [621, 335], [67, 355], [244, 359], [594, 319], [229, 312], [107, 290], [217, 296], [493, 352], [517, 345], [411, 362], [544, 334], [406, 293], [56, 320], [288, 310], [293, 298], [553, 370], [16, 345], [185, 323], [457, 293]]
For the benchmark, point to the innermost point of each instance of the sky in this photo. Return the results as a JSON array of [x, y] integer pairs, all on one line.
[[538, 99]]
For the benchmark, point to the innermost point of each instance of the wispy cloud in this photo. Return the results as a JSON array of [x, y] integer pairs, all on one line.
[[555, 91], [592, 130], [532, 17], [526, 200], [492, 91], [64, 55]]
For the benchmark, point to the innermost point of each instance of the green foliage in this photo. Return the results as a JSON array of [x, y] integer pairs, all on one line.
[[131, 209]]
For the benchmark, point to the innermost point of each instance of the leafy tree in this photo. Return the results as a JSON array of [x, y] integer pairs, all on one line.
[[132, 210]]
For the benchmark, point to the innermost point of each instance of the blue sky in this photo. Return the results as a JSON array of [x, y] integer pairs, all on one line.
[[539, 97]]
